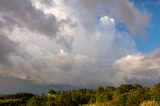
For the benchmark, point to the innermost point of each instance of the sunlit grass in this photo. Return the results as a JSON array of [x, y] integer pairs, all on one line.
[[95, 104], [8, 100], [150, 103], [98, 104]]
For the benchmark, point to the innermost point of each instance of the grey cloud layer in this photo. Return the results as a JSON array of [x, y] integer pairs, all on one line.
[[21, 13], [6, 48]]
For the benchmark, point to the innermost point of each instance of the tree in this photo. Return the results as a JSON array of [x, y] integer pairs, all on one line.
[[37, 101], [51, 91], [100, 89], [126, 88], [110, 89]]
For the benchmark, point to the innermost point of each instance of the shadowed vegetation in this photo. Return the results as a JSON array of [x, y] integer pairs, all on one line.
[[124, 95]]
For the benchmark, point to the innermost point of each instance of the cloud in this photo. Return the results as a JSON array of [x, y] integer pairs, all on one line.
[[22, 14], [124, 11], [45, 2], [86, 63], [6, 48], [58, 43], [13, 85], [144, 67]]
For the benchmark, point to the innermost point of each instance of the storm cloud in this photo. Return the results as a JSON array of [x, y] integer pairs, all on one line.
[[21, 13], [59, 42], [6, 48]]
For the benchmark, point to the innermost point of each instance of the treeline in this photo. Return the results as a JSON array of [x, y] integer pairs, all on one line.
[[124, 95], [19, 99]]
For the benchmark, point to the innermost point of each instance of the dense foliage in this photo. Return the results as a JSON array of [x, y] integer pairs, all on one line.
[[124, 95], [19, 99]]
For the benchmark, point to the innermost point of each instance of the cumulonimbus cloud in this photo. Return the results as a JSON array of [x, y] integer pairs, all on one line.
[[58, 43], [123, 11]]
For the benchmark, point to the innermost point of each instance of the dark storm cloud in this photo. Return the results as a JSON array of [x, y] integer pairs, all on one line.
[[145, 81], [11, 85], [23, 14], [6, 48]]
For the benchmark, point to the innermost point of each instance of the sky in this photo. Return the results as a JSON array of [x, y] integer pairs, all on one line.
[[69, 44]]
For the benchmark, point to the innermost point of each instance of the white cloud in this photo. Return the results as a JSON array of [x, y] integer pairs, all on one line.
[[145, 67], [134, 64], [123, 11]]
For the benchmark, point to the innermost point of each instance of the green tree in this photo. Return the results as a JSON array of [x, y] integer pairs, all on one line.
[[126, 88], [51, 91], [37, 101], [100, 89]]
